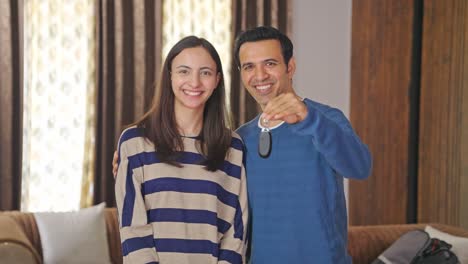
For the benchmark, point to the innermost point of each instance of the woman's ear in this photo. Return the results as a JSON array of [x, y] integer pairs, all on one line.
[[218, 78]]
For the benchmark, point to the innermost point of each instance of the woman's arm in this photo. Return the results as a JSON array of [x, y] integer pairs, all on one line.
[[136, 234]]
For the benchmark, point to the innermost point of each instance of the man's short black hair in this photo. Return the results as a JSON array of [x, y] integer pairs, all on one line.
[[264, 33]]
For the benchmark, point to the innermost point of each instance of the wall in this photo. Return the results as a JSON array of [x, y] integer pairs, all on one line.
[[322, 40], [409, 77], [322, 44]]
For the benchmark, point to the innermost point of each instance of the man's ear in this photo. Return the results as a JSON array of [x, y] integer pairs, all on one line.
[[291, 67]]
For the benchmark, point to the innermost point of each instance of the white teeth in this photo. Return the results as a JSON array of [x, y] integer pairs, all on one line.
[[263, 87], [191, 93]]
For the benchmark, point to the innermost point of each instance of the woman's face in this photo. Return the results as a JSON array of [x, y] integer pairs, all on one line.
[[194, 77]]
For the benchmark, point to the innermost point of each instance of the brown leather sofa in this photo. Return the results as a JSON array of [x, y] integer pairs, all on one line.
[[365, 242]]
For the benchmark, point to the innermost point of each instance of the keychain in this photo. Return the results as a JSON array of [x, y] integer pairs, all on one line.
[[264, 141]]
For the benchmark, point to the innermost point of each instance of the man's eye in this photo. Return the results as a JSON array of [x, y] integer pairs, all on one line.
[[182, 72], [270, 64], [247, 67], [205, 73]]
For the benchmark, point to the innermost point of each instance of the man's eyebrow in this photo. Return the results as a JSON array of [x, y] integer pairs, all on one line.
[[263, 61], [271, 60], [245, 64], [183, 66]]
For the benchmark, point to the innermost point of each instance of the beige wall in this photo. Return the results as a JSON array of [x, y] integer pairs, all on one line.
[[322, 47]]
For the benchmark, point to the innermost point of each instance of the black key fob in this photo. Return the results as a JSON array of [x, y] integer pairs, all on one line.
[[264, 144]]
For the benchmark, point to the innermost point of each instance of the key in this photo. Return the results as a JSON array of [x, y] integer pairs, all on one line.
[[264, 141]]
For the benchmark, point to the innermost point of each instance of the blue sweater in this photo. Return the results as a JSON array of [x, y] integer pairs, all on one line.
[[296, 195]]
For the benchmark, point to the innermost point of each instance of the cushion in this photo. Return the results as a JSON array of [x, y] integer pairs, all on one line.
[[459, 244], [74, 237]]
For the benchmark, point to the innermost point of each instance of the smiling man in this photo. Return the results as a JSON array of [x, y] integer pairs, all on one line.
[[296, 195]]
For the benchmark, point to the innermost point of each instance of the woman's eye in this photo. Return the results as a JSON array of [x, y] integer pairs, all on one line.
[[205, 73]]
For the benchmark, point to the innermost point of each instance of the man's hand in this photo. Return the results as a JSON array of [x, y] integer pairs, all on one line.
[[287, 107], [115, 166]]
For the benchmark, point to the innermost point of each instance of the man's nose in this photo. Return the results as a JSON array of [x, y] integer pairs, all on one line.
[[260, 73]]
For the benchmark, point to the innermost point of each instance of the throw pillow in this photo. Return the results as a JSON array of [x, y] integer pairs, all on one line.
[[74, 237], [459, 244]]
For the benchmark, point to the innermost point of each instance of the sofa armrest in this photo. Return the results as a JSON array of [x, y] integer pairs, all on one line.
[[14, 245], [366, 243]]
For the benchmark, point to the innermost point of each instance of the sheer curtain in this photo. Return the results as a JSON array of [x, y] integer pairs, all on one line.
[[59, 81]]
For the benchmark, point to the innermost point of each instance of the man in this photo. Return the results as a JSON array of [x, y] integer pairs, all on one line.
[[296, 195]]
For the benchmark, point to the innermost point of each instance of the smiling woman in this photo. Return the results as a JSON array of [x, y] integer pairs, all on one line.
[[210, 19], [180, 186]]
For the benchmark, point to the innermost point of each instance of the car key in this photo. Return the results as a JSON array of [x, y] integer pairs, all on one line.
[[264, 141]]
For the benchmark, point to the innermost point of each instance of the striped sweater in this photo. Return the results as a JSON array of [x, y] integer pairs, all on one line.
[[180, 215]]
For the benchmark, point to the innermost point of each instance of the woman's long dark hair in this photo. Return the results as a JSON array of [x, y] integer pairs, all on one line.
[[160, 124]]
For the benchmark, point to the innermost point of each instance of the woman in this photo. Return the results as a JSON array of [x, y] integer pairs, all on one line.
[[180, 185]]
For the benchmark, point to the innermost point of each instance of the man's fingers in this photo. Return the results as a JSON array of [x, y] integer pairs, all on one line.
[[275, 106], [285, 107]]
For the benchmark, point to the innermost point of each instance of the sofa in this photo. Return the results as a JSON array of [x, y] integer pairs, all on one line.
[[21, 228], [365, 243]]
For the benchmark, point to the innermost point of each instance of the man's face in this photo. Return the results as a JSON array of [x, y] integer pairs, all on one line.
[[263, 70]]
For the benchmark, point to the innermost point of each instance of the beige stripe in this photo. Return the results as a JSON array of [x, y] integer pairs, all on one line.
[[243, 201], [139, 144], [186, 258], [135, 231], [186, 231], [191, 172], [234, 155], [195, 201], [231, 243], [144, 255]]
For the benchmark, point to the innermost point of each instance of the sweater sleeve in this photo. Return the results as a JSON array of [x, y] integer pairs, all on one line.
[[136, 235], [233, 244], [333, 136]]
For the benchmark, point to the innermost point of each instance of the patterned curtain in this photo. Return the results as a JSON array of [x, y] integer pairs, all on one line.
[[129, 59], [246, 15], [59, 82], [11, 101]]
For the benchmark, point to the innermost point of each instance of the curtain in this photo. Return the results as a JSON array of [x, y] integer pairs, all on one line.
[[11, 92], [129, 59], [246, 15]]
